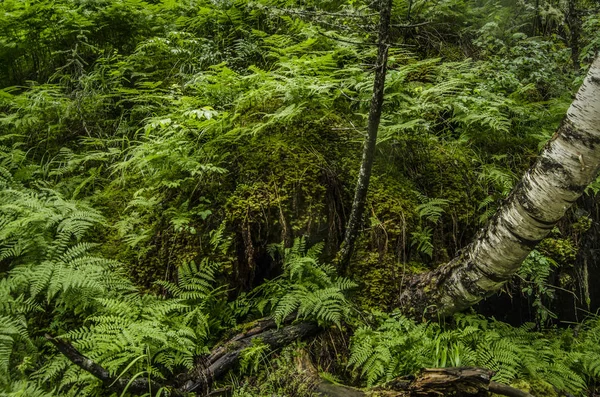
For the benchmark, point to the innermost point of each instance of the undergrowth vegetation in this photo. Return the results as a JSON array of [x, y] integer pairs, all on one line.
[[170, 170], [548, 361]]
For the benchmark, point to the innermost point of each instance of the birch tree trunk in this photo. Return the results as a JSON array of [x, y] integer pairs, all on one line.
[[568, 163]]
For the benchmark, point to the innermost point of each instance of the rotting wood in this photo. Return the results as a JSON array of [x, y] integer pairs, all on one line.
[[198, 381], [433, 382]]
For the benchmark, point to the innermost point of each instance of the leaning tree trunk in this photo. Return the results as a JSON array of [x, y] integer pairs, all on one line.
[[569, 162], [364, 175]]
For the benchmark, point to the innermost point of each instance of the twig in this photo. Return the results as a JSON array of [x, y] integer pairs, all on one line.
[[413, 25], [363, 44], [346, 41], [320, 13]]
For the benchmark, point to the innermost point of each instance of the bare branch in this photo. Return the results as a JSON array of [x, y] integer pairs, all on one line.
[[138, 385], [321, 13], [215, 365]]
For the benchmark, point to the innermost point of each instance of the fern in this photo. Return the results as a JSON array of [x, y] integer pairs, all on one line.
[[11, 329], [400, 347], [535, 272], [422, 239], [22, 388], [61, 273], [252, 356], [498, 183], [306, 287]]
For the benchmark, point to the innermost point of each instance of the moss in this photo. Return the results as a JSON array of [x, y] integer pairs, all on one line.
[[561, 250], [537, 387], [282, 376]]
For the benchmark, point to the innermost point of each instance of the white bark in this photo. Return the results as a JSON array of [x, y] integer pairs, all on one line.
[[569, 162]]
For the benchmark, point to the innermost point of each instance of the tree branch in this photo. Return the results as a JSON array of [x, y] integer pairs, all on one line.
[[413, 25], [138, 385], [321, 13], [221, 359]]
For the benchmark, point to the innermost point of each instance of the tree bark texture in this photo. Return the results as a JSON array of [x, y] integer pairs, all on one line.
[[568, 163], [138, 385], [432, 382], [368, 155], [198, 381], [224, 357]]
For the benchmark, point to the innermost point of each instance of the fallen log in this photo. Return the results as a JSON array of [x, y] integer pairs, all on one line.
[[198, 381], [223, 357], [137, 385], [432, 382]]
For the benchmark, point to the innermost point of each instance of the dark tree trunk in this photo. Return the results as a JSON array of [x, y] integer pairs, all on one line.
[[573, 21], [364, 175]]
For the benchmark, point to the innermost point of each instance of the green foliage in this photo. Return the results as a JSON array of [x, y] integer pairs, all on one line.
[[55, 282], [306, 288], [282, 377], [399, 347], [421, 238], [24, 389], [431, 209], [498, 182], [252, 357], [151, 153], [535, 272]]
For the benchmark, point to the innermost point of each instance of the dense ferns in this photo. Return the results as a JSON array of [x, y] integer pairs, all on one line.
[[170, 170], [57, 284], [562, 359]]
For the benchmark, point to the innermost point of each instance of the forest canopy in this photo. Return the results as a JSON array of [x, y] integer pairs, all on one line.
[[178, 178]]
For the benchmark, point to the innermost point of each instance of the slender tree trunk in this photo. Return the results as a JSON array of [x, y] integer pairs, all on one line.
[[573, 21], [364, 175], [569, 162], [536, 19]]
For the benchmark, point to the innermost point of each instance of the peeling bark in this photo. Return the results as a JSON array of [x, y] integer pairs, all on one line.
[[569, 162]]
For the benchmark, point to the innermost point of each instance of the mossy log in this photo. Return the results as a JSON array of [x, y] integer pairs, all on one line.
[[198, 381], [432, 382]]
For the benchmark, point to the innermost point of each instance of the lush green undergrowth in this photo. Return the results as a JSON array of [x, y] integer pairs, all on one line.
[[170, 170]]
